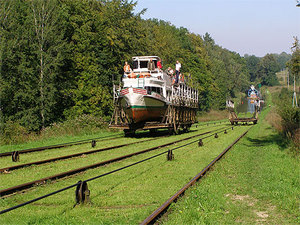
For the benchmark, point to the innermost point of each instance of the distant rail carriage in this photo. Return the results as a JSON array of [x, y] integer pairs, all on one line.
[[147, 99], [252, 94]]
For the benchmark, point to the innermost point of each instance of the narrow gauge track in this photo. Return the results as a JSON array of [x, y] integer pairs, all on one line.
[[6, 169], [107, 138], [151, 219], [10, 168], [11, 190]]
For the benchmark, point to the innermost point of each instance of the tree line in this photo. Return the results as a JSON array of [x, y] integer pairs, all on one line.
[[58, 58]]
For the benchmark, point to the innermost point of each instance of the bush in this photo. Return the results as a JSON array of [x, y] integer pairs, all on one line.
[[14, 133], [290, 117], [87, 124]]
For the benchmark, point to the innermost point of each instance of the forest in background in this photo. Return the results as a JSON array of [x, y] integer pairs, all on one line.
[[58, 59]]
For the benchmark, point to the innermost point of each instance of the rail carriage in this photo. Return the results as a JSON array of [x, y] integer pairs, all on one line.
[[147, 99]]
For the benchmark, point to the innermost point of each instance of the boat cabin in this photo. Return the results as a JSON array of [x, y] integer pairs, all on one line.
[[153, 81]]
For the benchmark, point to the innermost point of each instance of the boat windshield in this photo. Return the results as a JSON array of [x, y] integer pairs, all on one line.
[[143, 64]]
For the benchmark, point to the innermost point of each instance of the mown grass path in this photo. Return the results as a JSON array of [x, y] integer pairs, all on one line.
[[257, 182]]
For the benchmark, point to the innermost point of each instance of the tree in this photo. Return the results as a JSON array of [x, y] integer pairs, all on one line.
[[294, 63], [267, 69], [48, 45], [33, 63], [252, 63], [282, 59]]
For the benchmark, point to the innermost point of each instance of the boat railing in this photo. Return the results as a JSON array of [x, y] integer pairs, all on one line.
[[182, 95]]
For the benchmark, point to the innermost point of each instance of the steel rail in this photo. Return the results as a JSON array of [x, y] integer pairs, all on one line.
[[58, 145], [206, 123], [158, 212], [90, 179], [6, 169], [11, 190], [70, 144]]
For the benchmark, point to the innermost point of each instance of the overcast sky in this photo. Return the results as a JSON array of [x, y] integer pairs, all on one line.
[[250, 27]]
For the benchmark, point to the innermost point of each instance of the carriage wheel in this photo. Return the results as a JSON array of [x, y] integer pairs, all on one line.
[[129, 133], [153, 131], [186, 128], [171, 130]]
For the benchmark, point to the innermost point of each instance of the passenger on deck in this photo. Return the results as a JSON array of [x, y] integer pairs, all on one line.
[[170, 71], [127, 67], [181, 77], [151, 65], [159, 66], [178, 67]]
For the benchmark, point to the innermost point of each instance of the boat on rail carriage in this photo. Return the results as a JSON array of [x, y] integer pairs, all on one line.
[[148, 98]]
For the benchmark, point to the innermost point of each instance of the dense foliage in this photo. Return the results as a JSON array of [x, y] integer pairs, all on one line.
[[294, 62], [290, 115], [263, 70], [58, 57]]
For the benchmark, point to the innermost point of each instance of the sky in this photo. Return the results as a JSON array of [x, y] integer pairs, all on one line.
[[254, 27]]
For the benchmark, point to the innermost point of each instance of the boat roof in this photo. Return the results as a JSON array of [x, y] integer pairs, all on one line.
[[145, 58]]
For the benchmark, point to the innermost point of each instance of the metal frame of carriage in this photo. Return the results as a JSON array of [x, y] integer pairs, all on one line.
[[233, 118]]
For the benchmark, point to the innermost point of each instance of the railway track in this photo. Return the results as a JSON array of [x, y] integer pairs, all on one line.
[[40, 162], [7, 169], [24, 186], [80, 142], [58, 145], [151, 219]]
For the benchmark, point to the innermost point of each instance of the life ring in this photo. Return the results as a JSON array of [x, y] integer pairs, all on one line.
[[142, 75], [132, 75]]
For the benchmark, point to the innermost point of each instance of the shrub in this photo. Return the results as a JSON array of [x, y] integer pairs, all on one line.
[[14, 133], [290, 119], [87, 124], [290, 116]]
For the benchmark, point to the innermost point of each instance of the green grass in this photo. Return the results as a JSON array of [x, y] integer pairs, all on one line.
[[257, 182], [56, 140], [128, 196]]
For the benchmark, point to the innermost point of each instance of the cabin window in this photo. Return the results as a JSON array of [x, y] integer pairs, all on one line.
[[135, 65], [143, 64], [157, 90]]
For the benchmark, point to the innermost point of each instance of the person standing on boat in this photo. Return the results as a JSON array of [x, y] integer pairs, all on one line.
[[170, 71], [159, 66], [178, 67], [151, 65], [127, 67]]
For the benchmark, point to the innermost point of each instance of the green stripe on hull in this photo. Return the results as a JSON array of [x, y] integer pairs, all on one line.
[[145, 107]]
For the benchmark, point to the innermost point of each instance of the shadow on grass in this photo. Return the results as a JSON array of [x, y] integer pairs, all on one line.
[[269, 140], [160, 133]]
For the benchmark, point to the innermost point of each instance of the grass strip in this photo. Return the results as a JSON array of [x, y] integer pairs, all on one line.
[[256, 183]]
